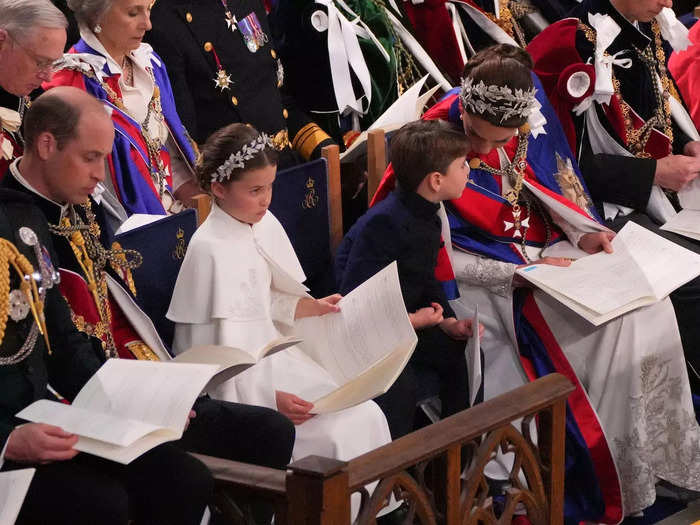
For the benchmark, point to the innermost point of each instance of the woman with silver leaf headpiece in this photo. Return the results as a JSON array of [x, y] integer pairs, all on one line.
[[630, 420]]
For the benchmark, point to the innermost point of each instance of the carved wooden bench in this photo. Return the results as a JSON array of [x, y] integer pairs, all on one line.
[[424, 469]]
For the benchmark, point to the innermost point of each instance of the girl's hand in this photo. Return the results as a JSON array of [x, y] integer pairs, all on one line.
[[307, 307], [295, 408]]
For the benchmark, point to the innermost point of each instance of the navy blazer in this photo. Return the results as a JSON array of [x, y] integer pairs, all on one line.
[[404, 228]]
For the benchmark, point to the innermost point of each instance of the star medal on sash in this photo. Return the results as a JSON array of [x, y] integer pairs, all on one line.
[[222, 80]]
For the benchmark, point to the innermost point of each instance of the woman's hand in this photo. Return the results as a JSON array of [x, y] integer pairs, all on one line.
[[518, 281], [596, 242], [307, 307], [426, 317], [295, 408]]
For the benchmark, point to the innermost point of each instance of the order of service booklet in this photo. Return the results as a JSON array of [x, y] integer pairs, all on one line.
[[14, 485], [127, 407], [365, 346], [643, 269]]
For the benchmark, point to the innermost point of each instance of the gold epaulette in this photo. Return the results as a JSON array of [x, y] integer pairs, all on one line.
[[308, 138]]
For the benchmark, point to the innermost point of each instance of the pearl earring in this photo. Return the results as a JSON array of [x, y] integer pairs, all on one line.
[[98, 29]]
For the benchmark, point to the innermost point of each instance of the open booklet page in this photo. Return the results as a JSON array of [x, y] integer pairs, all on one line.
[[473, 355], [643, 269], [365, 346], [13, 489], [127, 407], [686, 222], [232, 361]]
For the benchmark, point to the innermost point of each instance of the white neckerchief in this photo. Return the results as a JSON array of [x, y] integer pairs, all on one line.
[[672, 30], [14, 170]]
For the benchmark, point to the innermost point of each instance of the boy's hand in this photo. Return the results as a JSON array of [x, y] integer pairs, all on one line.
[[295, 408], [307, 307], [426, 317], [461, 329]]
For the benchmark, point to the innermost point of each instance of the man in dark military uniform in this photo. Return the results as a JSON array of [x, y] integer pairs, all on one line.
[[61, 175], [70, 488], [224, 68]]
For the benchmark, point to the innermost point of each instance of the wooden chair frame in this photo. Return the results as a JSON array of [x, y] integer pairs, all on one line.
[[424, 468]]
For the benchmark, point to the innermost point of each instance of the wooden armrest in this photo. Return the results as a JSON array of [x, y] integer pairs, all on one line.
[[335, 202], [467, 425], [376, 161], [244, 475], [202, 203]]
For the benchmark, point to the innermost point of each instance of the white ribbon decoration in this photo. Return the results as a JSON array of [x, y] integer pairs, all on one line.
[[673, 30], [10, 120], [84, 62], [344, 53], [537, 120], [606, 31]]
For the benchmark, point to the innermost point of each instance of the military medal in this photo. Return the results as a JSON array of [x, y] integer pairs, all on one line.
[[231, 20], [222, 80], [252, 32]]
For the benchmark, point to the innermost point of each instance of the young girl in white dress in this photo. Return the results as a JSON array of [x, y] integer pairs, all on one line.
[[225, 295]]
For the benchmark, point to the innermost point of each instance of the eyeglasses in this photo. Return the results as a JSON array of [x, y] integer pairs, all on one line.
[[45, 65]]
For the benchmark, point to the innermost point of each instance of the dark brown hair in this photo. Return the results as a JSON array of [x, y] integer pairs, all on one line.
[[53, 114], [225, 142], [424, 146], [501, 65]]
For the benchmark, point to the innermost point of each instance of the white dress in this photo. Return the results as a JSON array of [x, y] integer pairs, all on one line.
[[632, 369], [224, 295]]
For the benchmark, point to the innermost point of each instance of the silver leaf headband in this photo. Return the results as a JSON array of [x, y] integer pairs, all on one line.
[[237, 159], [497, 100]]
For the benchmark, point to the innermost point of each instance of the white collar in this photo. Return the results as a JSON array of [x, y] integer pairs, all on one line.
[[142, 56], [14, 169]]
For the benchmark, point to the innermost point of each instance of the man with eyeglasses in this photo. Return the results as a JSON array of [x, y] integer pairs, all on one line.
[[32, 38]]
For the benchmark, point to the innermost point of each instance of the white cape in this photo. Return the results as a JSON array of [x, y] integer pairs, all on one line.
[[224, 295]]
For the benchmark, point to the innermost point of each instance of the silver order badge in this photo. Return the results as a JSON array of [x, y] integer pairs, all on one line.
[[19, 305], [28, 236]]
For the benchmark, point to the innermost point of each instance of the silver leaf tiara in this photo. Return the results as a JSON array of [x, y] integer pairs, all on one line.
[[497, 100], [237, 159]]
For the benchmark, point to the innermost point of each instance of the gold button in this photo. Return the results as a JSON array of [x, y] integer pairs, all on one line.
[[208, 47], [285, 113], [234, 101], [188, 17], [273, 53]]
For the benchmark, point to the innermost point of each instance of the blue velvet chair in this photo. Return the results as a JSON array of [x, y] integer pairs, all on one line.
[[306, 200], [162, 246]]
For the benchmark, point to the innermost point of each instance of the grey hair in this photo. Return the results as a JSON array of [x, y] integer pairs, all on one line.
[[89, 12], [20, 17]]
